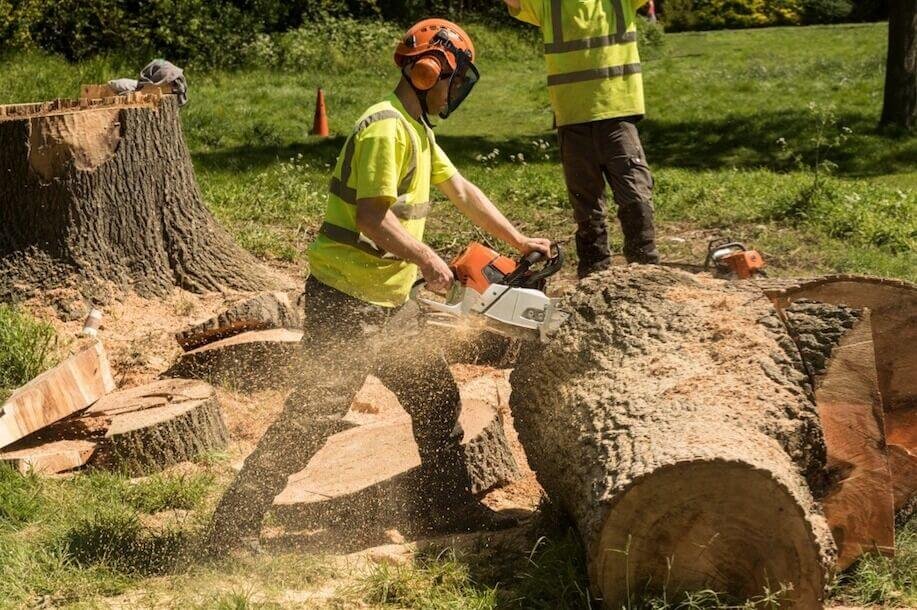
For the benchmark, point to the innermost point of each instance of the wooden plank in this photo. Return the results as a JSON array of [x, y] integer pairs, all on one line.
[[69, 387], [860, 505], [50, 458]]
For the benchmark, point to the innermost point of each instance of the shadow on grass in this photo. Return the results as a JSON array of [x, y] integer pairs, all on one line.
[[740, 141]]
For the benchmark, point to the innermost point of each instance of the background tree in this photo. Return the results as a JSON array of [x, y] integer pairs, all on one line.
[[900, 107]]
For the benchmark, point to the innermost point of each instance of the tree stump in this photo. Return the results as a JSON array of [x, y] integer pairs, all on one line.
[[103, 191], [672, 419]]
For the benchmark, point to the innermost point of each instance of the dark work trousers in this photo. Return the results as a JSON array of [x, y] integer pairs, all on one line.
[[600, 151], [344, 341]]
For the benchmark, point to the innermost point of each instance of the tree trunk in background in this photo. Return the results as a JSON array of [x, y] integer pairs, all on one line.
[[900, 107], [97, 192], [671, 417]]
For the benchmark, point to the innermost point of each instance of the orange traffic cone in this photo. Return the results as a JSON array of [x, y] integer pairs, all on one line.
[[320, 123]]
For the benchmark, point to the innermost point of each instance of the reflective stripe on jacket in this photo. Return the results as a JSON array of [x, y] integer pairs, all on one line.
[[388, 155], [590, 49]]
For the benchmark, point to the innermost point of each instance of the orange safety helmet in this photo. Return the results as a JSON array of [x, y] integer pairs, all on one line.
[[438, 49]]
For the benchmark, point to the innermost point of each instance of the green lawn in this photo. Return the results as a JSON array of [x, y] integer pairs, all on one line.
[[733, 120]]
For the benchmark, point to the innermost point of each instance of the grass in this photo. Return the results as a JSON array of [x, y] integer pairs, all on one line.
[[67, 540], [26, 348], [881, 581], [769, 135]]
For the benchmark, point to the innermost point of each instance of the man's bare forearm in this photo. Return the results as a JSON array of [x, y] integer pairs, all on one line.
[[474, 204], [378, 223]]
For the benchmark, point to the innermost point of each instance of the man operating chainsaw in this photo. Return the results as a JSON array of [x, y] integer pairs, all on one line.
[[596, 90], [363, 263]]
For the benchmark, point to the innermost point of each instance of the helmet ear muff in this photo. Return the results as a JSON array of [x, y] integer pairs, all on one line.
[[425, 73]]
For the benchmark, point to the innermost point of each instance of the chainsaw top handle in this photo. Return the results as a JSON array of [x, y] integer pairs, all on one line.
[[524, 276]]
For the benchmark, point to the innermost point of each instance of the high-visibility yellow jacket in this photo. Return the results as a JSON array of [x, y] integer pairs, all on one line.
[[590, 48], [389, 155]]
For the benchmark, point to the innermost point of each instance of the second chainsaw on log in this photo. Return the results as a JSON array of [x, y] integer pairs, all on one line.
[[495, 293]]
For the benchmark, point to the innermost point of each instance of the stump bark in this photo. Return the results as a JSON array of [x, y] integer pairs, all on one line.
[[103, 191], [671, 417]]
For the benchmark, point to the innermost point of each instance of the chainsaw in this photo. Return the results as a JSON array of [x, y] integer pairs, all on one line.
[[493, 292], [732, 260]]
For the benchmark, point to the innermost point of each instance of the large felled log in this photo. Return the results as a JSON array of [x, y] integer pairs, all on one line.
[[671, 418], [837, 346], [369, 474], [260, 312], [74, 384], [98, 191]]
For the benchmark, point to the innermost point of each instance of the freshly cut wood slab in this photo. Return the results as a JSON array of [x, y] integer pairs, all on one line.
[[370, 471], [138, 430], [69, 387], [251, 360], [893, 304], [263, 311], [50, 458], [859, 506]]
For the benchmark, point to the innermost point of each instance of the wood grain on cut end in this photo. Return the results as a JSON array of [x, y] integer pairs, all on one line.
[[74, 384], [859, 503], [251, 360], [50, 458], [159, 424]]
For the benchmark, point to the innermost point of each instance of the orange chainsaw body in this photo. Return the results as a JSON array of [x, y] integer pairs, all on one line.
[[478, 267], [743, 264]]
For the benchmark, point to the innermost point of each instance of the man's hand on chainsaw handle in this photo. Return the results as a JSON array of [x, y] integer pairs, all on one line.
[[377, 222], [474, 204], [436, 273]]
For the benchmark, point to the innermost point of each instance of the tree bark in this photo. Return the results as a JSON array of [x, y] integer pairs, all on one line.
[[102, 192], [671, 417], [900, 107]]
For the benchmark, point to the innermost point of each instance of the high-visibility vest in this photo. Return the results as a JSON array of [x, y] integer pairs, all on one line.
[[345, 259], [593, 65]]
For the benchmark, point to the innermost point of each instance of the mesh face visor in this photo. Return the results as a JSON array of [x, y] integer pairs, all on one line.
[[461, 83], [462, 80]]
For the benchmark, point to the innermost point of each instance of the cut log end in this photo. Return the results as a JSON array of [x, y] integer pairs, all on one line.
[[727, 527]]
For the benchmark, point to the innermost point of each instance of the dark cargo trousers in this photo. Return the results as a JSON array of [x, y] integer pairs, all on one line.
[[344, 342], [600, 151]]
